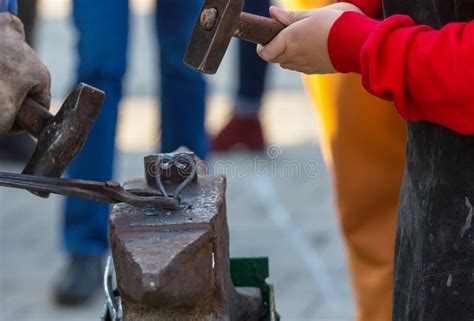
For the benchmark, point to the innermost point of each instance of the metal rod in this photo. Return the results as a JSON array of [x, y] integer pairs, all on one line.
[[109, 192]]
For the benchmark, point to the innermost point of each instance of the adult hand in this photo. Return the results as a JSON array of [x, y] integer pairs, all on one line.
[[22, 74]]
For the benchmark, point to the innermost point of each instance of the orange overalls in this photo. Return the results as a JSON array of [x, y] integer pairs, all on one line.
[[363, 141]]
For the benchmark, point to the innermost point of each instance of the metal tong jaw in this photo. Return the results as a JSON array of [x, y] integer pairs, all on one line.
[[155, 197]]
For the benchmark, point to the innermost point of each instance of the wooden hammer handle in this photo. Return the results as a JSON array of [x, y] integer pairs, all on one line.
[[33, 117], [257, 29]]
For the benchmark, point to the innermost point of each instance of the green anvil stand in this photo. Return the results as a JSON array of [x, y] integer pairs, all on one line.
[[245, 272]]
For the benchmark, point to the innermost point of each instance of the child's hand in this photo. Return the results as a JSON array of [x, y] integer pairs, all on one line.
[[302, 46]]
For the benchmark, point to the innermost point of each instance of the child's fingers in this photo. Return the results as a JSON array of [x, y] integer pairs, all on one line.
[[288, 17], [280, 15], [272, 51]]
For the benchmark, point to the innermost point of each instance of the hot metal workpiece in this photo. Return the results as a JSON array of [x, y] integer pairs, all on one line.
[[174, 265]]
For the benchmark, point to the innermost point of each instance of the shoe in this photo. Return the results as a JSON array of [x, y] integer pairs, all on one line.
[[243, 132], [79, 281]]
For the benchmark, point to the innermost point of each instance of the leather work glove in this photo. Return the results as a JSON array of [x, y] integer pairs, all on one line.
[[22, 74]]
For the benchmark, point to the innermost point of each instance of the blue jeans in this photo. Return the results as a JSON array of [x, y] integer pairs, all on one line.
[[103, 40], [252, 69]]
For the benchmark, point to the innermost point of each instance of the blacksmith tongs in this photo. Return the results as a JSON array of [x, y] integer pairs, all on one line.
[[108, 192]]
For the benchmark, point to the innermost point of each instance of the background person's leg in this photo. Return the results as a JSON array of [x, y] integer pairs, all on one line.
[[183, 91], [20, 148], [27, 10], [244, 127], [252, 69], [103, 33], [363, 140]]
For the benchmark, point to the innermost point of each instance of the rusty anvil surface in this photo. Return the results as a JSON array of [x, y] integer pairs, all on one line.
[[174, 265]]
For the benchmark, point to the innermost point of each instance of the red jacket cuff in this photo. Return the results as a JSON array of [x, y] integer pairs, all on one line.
[[346, 39]]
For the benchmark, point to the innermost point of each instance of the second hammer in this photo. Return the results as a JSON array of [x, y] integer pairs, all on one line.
[[219, 21]]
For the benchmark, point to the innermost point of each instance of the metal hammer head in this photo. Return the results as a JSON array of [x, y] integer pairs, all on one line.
[[66, 134], [212, 34]]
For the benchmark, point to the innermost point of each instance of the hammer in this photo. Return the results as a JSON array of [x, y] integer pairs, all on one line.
[[60, 137], [219, 21]]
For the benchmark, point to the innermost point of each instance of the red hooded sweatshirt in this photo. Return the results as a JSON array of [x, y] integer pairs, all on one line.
[[428, 73]]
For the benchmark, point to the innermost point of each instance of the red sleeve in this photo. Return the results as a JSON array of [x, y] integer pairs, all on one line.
[[371, 8], [429, 74]]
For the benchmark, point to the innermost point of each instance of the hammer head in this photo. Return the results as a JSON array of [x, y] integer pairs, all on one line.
[[63, 138], [212, 34]]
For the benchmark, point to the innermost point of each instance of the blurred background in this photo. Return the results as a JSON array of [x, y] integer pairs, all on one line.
[[288, 216]]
